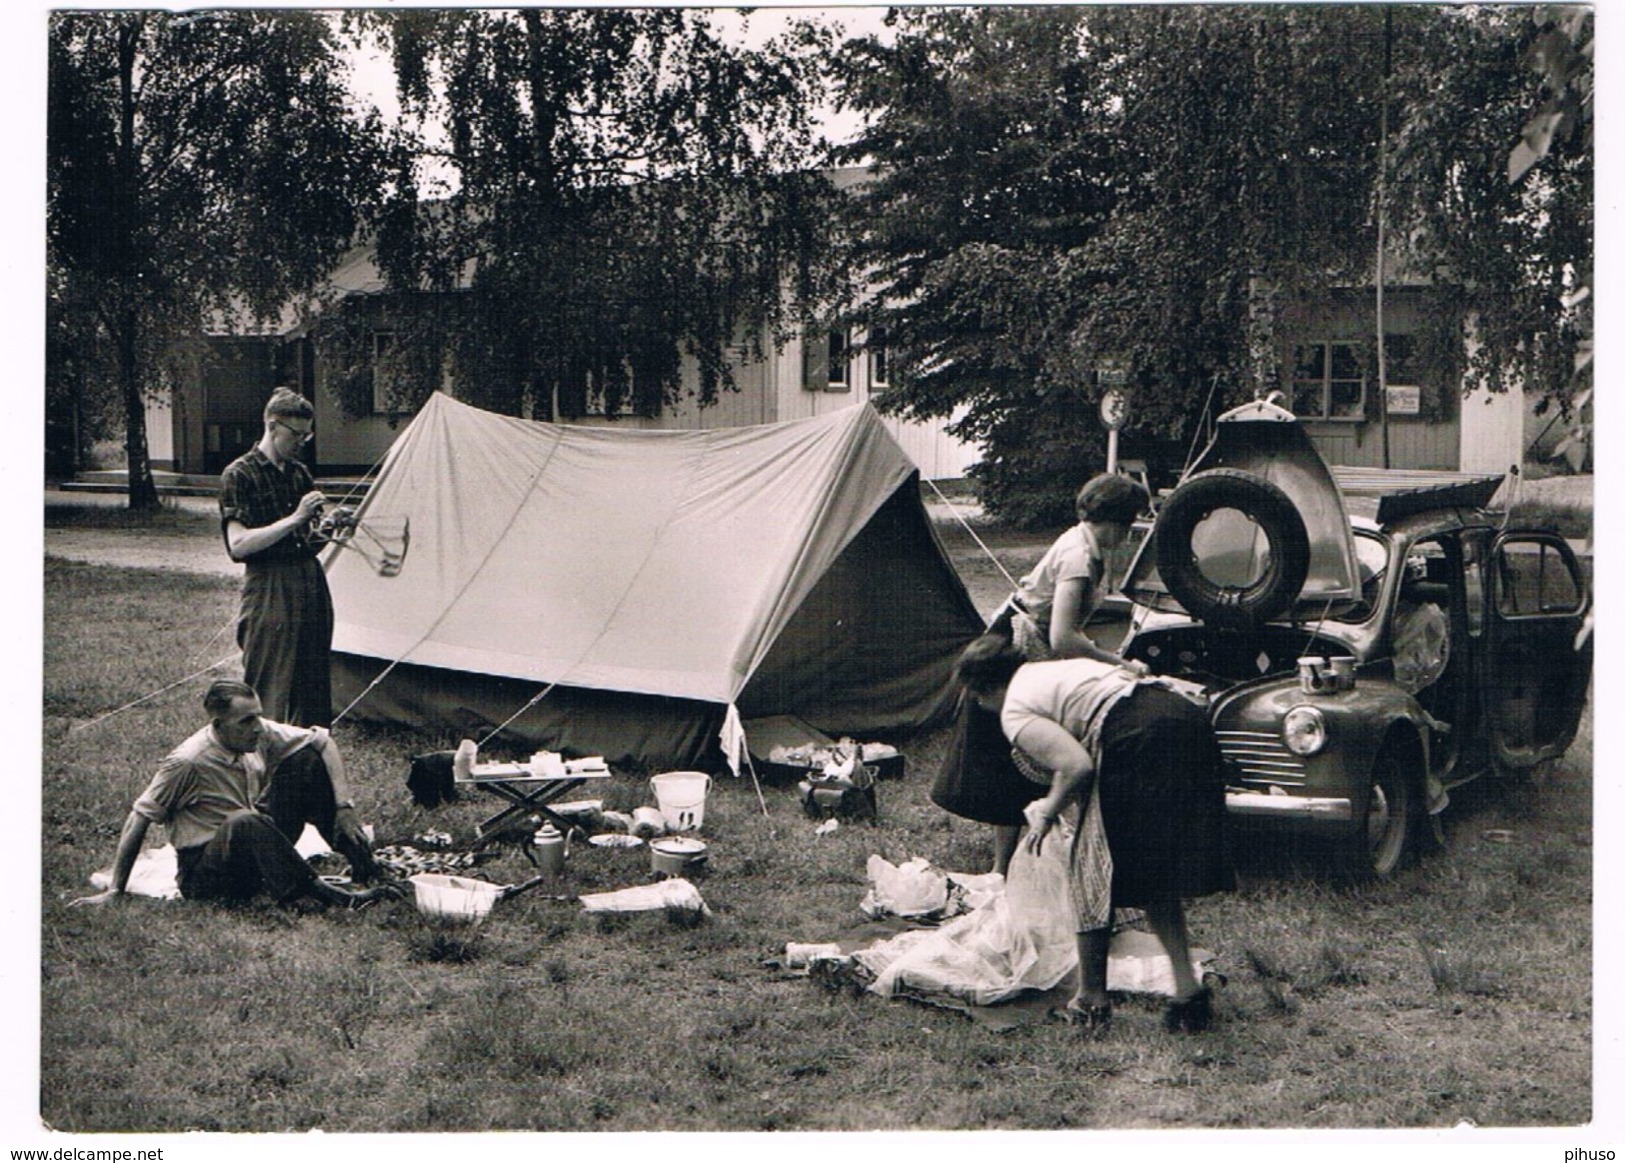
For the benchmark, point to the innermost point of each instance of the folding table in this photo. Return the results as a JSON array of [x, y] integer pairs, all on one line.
[[525, 791]]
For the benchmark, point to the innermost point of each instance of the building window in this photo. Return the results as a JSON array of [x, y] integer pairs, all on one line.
[[1328, 382], [593, 398], [383, 375], [1403, 358], [840, 362], [879, 375], [825, 357]]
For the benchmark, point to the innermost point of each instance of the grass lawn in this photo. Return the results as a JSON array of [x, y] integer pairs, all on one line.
[[1461, 991]]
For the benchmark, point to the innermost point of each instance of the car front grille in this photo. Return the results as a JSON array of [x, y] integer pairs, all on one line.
[[1262, 758]]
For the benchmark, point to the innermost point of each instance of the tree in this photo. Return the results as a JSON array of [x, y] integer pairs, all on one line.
[[629, 189], [1493, 176], [992, 166], [80, 403], [200, 168], [1147, 187], [1564, 56], [1062, 188]]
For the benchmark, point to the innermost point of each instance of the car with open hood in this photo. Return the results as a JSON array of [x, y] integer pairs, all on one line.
[[1367, 639]]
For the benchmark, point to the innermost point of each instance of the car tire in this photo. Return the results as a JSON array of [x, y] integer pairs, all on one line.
[[1385, 840], [1230, 607]]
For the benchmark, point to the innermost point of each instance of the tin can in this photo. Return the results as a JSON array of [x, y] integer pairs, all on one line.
[[799, 955], [1313, 676]]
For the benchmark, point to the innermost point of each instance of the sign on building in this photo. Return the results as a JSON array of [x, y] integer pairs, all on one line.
[[1404, 400]]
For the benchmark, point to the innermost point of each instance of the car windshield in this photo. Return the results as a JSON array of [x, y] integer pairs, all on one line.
[[1371, 556]]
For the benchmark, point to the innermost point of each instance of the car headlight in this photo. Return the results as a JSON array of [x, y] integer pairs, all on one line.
[[1304, 730]]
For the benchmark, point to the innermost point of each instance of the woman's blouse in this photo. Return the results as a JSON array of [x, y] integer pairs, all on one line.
[[1074, 555], [1074, 692]]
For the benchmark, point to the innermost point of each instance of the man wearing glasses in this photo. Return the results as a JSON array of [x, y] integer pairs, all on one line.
[[268, 507]]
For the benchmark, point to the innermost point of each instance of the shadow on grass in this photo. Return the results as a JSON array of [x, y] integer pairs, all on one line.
[[167, 518]]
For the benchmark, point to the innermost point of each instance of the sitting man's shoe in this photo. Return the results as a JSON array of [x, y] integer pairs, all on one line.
[[352, 898], [390, 890]]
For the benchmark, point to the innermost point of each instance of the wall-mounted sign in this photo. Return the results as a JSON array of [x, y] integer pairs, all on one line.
[[1404, 400]]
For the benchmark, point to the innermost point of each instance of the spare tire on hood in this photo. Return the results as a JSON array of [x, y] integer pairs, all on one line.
[[1232, 607]]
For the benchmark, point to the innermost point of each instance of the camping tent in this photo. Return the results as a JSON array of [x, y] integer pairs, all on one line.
[[647, 581]]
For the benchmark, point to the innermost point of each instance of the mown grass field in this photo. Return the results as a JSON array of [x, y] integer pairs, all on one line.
[[1459, 992]]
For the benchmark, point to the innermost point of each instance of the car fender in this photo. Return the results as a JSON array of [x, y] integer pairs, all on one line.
[[1360, 722]]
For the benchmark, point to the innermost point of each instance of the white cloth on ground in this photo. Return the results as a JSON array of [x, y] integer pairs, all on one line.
[[156, 870], [672, 893], [1021, 939]]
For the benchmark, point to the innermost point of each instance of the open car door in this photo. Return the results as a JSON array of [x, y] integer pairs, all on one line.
[[1536, 675]]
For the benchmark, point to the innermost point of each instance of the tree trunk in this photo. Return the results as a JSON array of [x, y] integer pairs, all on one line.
[[143, 490]]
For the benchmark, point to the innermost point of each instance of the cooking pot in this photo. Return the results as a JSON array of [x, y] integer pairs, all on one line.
[[677, 855]]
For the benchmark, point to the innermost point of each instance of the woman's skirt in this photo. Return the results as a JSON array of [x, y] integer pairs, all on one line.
[[978, 780], [1162, 800]]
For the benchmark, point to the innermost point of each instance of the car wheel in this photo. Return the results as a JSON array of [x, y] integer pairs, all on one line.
[[1383, 842], [1273, 591]]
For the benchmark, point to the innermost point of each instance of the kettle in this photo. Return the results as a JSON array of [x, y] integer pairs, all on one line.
[[551, 848]]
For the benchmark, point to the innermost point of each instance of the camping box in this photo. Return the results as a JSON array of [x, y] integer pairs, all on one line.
[[785, 749], [850, 797], [882, 760]]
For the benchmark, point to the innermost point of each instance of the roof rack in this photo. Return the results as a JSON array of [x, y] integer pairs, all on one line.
[[1400, 492]]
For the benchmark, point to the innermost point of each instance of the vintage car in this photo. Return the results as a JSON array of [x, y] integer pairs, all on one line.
[[1367, 639]]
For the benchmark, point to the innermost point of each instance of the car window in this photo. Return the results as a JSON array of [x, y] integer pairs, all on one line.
[[1534, 579], [1371, 559], [1426, 562]]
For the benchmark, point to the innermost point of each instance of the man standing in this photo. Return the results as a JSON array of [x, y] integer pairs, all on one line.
[[268, 503], [235, 797]]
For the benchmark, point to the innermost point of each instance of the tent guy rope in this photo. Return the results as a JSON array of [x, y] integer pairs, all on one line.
[[153, 694], [535, 479], [230, 623], [960, 517]]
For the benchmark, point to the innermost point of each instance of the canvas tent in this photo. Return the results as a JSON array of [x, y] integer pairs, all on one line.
[[647, 581]]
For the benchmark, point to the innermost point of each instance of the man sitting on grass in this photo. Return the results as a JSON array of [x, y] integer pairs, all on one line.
[[235, 797]]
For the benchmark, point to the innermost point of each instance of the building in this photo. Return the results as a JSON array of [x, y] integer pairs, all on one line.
[[1325, 351]]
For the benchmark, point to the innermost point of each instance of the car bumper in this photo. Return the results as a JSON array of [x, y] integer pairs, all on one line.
[[1259, 804]]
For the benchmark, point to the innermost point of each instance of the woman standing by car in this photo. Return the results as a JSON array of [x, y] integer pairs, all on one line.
[[1044, 618], [1137, 771], [1052, 605]]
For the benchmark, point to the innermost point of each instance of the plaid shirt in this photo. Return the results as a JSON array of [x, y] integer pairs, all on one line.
[[257, 493]]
